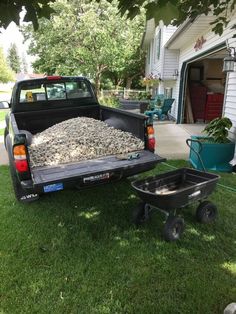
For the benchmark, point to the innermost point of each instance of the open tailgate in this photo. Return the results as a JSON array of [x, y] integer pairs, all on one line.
[[92, 171]]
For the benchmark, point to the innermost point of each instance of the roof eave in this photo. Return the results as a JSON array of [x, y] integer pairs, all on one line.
[[148, 33]]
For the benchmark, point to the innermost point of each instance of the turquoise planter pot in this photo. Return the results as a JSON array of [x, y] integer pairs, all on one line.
[[214, 156]]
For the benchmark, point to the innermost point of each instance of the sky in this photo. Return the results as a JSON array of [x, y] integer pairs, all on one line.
[[13, 35]]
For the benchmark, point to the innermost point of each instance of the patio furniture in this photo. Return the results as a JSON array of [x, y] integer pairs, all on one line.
[[162, 112], [157, 101]]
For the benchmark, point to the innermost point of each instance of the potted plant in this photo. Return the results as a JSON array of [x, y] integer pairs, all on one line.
[[150, 81], [213, 151]]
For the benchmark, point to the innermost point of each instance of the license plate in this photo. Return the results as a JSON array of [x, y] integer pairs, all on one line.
[[98, 177], [53, 187]]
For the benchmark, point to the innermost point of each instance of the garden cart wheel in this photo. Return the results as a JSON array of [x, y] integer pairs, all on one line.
[[173, 229], [206, 212], [140, 214]]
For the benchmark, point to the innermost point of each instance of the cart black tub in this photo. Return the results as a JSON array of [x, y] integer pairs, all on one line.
[[175, 189]]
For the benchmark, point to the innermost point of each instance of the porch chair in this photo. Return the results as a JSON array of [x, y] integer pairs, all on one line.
[[162, 112], [158, 100]]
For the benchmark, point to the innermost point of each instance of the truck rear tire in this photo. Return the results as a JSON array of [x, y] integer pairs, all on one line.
[[5, 136], [19, 192]]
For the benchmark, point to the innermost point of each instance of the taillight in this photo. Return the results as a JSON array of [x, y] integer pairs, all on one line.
[[21, 165], [53, 77], [151, 138], [19, 154]]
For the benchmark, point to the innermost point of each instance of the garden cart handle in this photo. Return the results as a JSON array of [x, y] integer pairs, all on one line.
[[188, 142]]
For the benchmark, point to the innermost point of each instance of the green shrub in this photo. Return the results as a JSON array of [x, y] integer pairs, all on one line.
[[110, 101], [144, 95]]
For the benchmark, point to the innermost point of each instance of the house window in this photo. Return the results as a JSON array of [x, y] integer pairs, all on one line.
[[158, 45]]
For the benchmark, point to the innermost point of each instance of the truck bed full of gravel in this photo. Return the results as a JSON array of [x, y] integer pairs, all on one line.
[[80, 139]]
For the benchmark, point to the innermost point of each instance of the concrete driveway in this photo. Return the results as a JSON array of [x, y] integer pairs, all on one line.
[[3, 154], [170, 140]]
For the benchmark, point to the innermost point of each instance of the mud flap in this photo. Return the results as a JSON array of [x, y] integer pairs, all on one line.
[[27, 198]]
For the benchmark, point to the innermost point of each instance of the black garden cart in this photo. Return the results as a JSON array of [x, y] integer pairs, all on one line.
[[169, 192]]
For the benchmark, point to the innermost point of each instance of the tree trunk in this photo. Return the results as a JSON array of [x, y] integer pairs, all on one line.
[[100, 70], [97, 84], [129, 82]]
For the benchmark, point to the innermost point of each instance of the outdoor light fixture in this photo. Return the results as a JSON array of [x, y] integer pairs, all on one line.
[[228, 65], [176, 74]]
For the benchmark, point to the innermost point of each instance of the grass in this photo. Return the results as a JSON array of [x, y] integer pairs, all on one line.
[[2, 118], [2, 114], [76, 252]]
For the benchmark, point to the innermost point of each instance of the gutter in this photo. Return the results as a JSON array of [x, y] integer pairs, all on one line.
[[183, 27], [143, 37], [147, 30]]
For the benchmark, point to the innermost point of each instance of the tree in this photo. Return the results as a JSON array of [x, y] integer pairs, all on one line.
[[24, 64], [168, 10], [134, 68], [177, 11], [13, 58], [6, 74], [35, 9], [84, 37]]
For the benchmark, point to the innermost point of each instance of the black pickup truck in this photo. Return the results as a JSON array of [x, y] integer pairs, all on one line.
[[40, 103]]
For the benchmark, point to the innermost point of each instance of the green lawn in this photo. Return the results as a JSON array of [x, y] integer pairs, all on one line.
[[2, 118], [2, 114], [76, 252]]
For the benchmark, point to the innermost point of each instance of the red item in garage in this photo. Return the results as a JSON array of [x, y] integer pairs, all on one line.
[[198, 94], [214, 106]]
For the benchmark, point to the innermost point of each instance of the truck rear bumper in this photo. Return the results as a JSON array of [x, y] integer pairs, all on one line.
[[89, 172]]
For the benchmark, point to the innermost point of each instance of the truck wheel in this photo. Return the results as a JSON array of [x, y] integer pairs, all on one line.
[[16, 185], [206, 212], [173, 229], [140, 214], [5, 136]]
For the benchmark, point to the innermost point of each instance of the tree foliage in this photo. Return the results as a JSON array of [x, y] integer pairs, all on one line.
[[35, 9], [13, 58], [85, 37], [24, 63], [175, 11], [6, 74]]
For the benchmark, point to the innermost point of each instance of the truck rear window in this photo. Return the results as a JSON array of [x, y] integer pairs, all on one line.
[[53, 91]]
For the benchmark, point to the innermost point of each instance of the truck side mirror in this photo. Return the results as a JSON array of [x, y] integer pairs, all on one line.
[[4, 104]]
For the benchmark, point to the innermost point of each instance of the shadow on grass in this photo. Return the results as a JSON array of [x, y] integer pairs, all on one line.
[[76, 251]]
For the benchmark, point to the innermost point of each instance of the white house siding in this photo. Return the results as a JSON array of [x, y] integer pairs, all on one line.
[[230, 103], [187, 52], [171, 63], [168, 32], [156, 65]]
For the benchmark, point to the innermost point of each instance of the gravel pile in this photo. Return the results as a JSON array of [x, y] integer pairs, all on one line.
[[80, 139]]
